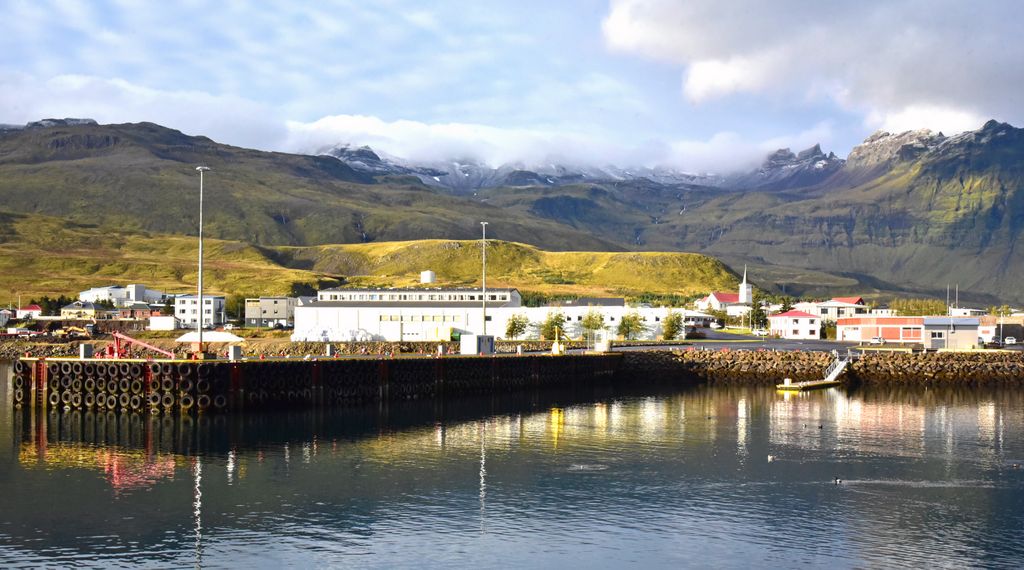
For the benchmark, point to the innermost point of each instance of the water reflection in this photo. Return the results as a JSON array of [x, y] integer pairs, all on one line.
[[646, 477]]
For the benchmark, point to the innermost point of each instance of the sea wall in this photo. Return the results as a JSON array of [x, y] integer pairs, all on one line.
[[771, 367], [183, 386]]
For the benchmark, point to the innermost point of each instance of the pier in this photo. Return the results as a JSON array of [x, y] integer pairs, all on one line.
[[169, 386]]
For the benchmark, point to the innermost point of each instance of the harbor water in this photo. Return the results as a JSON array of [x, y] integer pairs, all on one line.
[[706, 476]]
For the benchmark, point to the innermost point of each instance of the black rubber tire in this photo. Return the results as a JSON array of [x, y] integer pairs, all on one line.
[[111, 402], [76, 400], [20, 367], [154, 368], [76, 384], [220, 401], [124, 399], [167, 399], [167, 384], [54, 398], [89, 369], [53, 384], [204, 370], [135, 370], [19, 382], [89, 400], [203, 386], [187, 401], [203, 402], [19, 395], [77, 368], [186, 370], [136, 387], [124, 368], [111, 386], [154, 399], [135, 402], [186, 385], [166, 369], [52, 369], [65, 382], [124, 385], [65, 368]]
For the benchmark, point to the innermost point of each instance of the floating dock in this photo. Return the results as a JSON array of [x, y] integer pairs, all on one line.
[[187, 386], [808, 385]]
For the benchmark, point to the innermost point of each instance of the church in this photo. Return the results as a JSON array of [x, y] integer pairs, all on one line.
[[734, 304]]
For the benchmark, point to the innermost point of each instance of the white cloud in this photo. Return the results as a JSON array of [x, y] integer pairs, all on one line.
[[932, 117], [894, 61]]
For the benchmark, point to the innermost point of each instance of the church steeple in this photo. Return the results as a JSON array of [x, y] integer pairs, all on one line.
[[746, 290]]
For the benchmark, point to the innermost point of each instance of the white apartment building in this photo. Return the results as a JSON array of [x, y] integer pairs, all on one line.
[[795, 325], [835, 309], [186, 308]]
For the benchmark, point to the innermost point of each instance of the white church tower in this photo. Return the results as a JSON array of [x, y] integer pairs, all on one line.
[[746, 289]]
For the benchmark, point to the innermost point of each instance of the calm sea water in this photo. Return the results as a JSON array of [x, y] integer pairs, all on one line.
[[575, 480]]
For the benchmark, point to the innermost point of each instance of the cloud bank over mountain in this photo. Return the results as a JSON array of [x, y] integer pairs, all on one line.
[[942, 64]]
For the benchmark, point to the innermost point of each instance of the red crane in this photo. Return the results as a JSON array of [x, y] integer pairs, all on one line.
[[123, 343]]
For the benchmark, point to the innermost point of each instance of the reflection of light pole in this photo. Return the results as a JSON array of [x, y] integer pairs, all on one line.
[[199, 322], [483, 272]]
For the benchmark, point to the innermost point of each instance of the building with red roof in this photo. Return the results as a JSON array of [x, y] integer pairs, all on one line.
[[795, 325], [30, 312]]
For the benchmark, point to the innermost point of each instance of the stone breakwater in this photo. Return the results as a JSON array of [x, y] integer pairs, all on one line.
[[947, 368], [716, 366], [768, 367]]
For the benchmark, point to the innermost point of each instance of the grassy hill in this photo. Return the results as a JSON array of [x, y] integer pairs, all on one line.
[[41, 255]]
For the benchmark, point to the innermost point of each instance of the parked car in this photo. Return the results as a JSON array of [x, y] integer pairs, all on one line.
[[759, 332], [1010, 340], [715, 326], [876, 340]]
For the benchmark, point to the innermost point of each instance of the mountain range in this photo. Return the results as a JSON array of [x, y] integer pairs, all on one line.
[[904, 212]]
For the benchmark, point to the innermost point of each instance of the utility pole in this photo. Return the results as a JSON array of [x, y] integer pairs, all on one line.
[[483, 273]]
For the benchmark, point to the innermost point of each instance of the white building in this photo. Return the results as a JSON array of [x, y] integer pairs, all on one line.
[[29, 312], [795, 325], [966, 312], [835, 309], [122, 296], [5, 316], [164, 323], [411, 315], [186, 308]]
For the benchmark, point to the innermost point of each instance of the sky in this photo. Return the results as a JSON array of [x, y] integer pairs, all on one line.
[[697, 85]]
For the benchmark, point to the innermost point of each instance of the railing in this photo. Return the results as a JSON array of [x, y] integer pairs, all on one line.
[[837, 367]]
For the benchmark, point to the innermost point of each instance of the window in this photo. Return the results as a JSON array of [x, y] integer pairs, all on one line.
[[796, 333], [488, 319], [938, 334]]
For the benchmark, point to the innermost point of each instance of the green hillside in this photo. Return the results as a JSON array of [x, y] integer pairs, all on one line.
[[41, 255]]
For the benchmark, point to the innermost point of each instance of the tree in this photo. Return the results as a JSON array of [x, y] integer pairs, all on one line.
[[787, 304], [758, 318], [631, 325], [516, 326], [672, 325], [555, 321], [592, 322], [918, 307]]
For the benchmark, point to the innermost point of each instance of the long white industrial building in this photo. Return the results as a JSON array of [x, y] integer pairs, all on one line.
[[428, 314]]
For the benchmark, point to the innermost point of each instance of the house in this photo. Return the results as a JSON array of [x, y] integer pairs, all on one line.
[[5, 315], [270, 311], [950, 333], [834, 309], [186, 308], [81, 310], [966, 312], [795, 325], [889, 329], [30, 312], [137, 311]]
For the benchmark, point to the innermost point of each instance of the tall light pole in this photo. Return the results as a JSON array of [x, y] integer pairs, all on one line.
[[483, 272], [199, 322]]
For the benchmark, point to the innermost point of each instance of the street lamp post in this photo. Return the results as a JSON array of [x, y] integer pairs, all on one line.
[[199, 321], [483, 273]]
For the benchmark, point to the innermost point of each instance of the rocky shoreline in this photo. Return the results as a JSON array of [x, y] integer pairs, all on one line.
[[770, 367]]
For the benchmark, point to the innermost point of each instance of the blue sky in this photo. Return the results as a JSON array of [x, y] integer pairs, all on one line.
[[698, 85]]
